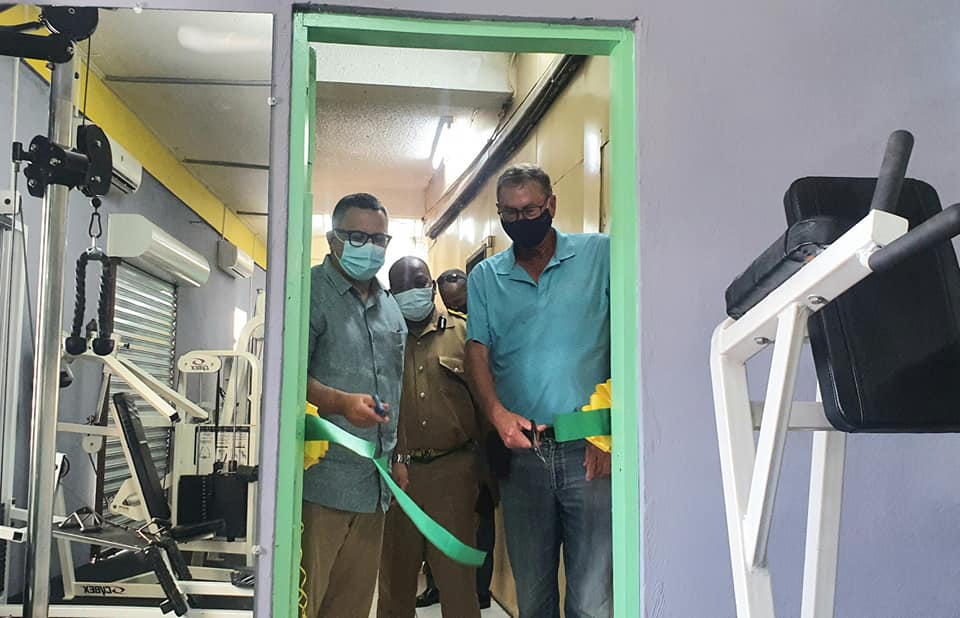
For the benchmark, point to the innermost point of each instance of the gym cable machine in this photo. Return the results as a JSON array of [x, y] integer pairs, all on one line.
[[53, 167]]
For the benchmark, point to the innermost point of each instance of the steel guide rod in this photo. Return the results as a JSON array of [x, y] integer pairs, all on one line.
[[46, 367]]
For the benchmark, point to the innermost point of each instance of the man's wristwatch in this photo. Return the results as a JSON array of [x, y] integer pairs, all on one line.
[[401, 458]]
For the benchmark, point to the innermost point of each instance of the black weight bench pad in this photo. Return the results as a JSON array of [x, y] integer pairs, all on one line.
[[132, 433], [803, 241], [887, 351]]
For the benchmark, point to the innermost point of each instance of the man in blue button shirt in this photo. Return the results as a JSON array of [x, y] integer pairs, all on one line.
[[355, 351], [538, 343]]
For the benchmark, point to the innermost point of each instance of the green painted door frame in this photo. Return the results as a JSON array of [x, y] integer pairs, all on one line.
[[618, 44]]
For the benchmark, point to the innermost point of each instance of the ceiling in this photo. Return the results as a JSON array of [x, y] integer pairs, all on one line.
[[378, 112], [223, 119], [379, 146], [200, 81]]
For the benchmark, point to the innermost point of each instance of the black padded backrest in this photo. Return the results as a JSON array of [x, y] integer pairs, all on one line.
[[136, 440], [887, 351]]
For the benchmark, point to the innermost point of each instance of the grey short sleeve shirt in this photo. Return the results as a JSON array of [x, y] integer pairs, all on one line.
[[355, 347]]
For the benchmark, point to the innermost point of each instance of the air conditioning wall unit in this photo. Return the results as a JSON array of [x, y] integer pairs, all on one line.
[[148, 247], [127, 171], [233, 261]]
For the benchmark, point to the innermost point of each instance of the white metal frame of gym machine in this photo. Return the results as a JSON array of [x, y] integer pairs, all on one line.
[[241, 407], [240, 425], [750, 471], [240, 417], [172, 405], [12, 302]]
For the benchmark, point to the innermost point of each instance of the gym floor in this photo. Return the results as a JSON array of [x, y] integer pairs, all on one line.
[[495, 611]]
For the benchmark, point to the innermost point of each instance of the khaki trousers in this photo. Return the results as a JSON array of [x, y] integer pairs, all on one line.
[[341, 553], [446, 489]]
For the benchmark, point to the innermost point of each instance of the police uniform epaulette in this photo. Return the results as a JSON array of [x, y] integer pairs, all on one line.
[[462, 316]]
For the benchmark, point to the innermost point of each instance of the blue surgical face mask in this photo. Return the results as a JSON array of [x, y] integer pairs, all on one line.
[[362, 263], [416, 304]]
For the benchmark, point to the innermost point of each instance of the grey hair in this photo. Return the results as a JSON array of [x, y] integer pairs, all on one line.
[[519, 175]]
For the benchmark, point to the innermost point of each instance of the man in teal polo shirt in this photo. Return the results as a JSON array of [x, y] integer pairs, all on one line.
[[538, 343]]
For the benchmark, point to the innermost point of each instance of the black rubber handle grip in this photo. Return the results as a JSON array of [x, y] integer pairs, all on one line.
[[892, 171], [75, 343], [936, 230], [103, 344]]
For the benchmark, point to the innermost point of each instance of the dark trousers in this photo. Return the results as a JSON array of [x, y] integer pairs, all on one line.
[[486, 539]]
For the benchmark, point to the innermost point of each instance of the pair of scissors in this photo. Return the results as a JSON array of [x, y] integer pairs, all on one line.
[[533, 434]]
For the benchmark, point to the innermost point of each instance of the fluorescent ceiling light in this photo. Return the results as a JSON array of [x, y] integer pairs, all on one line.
[[218, 42]]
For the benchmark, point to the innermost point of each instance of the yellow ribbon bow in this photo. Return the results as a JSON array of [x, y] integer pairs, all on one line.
[[600, 400], [314, 450]]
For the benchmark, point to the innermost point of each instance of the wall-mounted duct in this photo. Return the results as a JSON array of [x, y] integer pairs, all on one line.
[[144, 245], [506, 141]]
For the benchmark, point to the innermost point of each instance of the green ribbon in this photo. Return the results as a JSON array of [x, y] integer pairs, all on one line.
[[322, 429], [580, 425]]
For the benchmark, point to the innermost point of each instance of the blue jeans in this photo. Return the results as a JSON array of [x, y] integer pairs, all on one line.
[[551, 506]]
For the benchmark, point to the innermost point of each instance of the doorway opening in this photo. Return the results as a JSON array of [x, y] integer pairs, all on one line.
[[614, 46]]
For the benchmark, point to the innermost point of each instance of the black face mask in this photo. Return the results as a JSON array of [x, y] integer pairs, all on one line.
[[527, 233]]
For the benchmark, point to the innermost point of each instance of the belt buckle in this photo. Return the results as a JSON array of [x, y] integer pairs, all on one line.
[[533, 434]]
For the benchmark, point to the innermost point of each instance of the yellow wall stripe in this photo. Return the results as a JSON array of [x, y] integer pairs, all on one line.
[[106, 110]]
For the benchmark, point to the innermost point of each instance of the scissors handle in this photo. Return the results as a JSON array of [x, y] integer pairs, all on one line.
[[378, 405], [531, 434]]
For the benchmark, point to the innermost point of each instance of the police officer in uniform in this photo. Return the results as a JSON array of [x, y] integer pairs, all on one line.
[[435, 459], [452, 285]]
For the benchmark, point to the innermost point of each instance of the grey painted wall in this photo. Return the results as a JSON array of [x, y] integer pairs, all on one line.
[[205, 314], [735, 102]]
